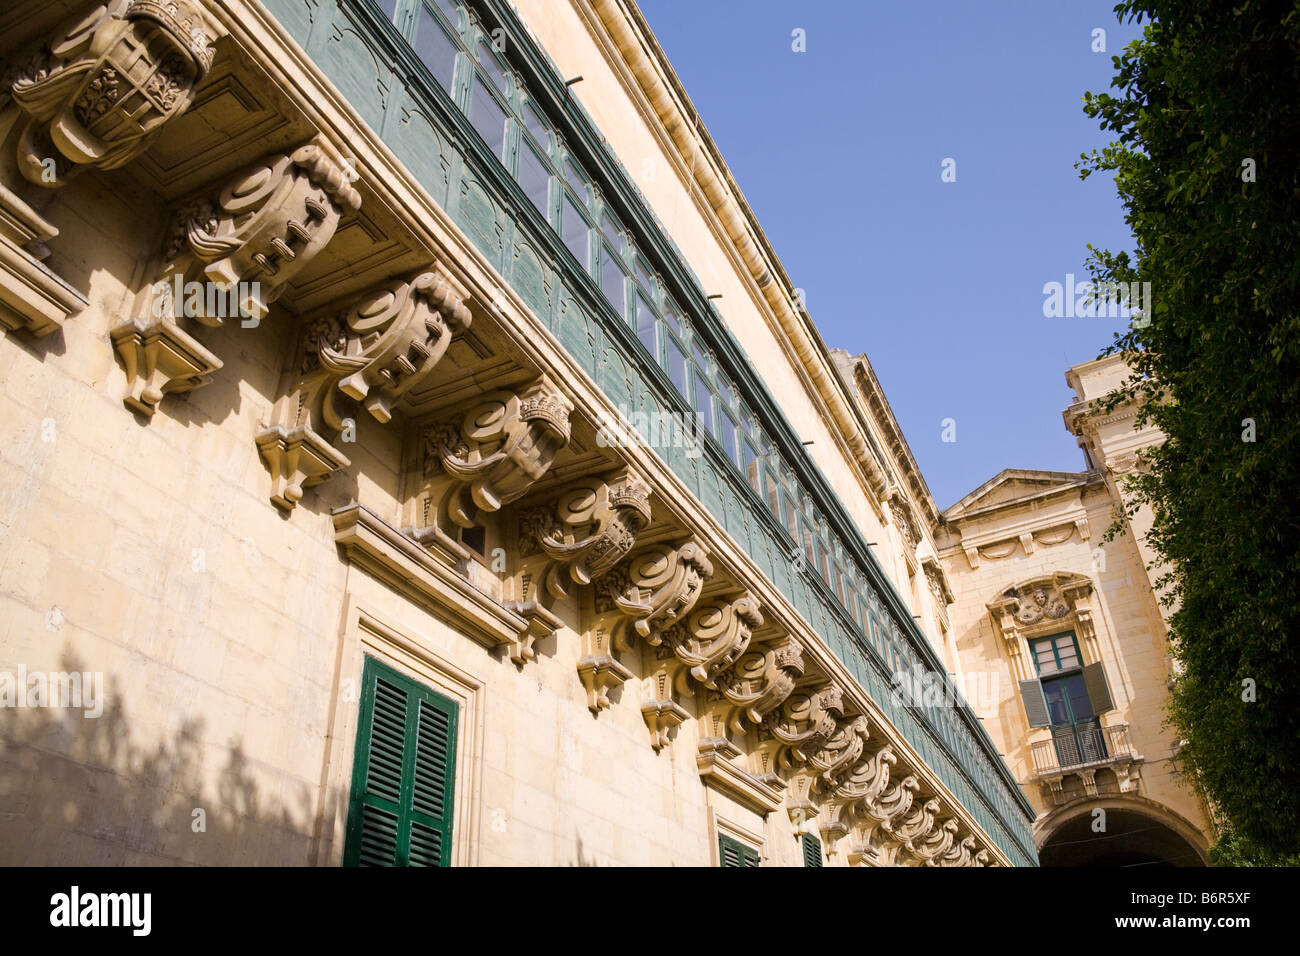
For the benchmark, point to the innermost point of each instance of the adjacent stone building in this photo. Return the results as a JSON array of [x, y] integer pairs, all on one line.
[[414, 452]]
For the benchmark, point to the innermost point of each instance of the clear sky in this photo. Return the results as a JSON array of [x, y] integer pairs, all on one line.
[[840, 151]]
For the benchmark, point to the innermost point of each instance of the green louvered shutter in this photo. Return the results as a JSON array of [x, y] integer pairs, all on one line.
[[734, 853], [1031, 692], [402, 782], [812, 850], [1094, 679]]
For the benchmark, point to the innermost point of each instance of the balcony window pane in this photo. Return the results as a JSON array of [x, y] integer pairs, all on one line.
[[646, 327], [537, 129], [773, 494], [488, 118], [492, 66], [642, 276], [610, 228], [576, 180], [676, 365], [449, 10], [535, 178], [670, 316], [749, 462], [612, 280], [704, 402], [575, 232], [434, 48], [728, 435], [388, 6]]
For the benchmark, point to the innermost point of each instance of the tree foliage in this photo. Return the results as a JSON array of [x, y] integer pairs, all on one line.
[[1202, 103]]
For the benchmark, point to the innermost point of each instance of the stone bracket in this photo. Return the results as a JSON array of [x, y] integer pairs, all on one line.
[[160, 358]]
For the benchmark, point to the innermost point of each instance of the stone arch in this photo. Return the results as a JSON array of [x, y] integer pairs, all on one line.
[[1139, 831]]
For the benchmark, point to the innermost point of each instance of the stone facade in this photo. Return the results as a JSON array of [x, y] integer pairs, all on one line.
[[1027, 560], [299, 386]]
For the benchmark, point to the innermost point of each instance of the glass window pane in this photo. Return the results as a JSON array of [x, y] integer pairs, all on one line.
[[704, 402], [791, 518], [749, 462], [537, 129], [448, 8], [488, 118], [676, 365], [388, 6], [610, 228], [612, 280], [535, 178], [773, 495], [434, 48], [670, 316], [701, 355], [646, 326], [729, 436], [576, 180], [575, 231], [492, 66], [643, 276]]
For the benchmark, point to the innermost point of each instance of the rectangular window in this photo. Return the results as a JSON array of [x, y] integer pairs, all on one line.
[[643, 276], [576, 180], [535, 178], [671, 317], [734, 853], [435, 49], [493, 68], [728, 435], [677, 366], [488, 118], [646, 327], [612, 281], [537, 129], [1058, 653], [400, 809], [749, 462], [704, 402], [388, 6], [610, 228], [575, 232]]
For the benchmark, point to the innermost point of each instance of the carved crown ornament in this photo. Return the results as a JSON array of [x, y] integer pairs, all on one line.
[[1058, 599]]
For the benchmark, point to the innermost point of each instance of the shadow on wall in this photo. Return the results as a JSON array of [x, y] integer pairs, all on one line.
[[78, 790]]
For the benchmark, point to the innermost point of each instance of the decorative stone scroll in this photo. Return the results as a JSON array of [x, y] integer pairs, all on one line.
[[102, 89], [252, 237], [498, 449], [804, 724], [588, 530], [841, 752], [649, 591], [759, 681], [927, 848], [711, 638], [371, 352], [959, 854]]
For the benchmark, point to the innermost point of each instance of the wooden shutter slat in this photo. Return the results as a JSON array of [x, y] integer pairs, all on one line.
[[1094, 679], [1031, 692]]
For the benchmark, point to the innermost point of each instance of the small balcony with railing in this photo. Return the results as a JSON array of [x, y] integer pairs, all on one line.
[[1086, 760]]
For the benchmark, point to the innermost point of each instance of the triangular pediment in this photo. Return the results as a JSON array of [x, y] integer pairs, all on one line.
[[1012, 485]]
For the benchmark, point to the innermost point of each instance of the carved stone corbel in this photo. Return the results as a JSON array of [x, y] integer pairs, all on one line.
[[959, 854], [879, 815], [927, 848], [160, 358], [371, 351], [660, 709], [840, 753], [496, 451], [251, 238], [867, 779], [711, 637], [760, 680], [541, 624], [916, 824], [804, 723], [102, 89], [589, 529]]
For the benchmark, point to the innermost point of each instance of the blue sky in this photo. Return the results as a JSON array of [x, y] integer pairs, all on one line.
[[839, 151]]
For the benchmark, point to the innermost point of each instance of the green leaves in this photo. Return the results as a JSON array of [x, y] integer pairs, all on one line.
[[1201, 92]]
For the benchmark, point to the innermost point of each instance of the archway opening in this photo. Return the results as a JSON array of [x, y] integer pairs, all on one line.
[[1130, 838]]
